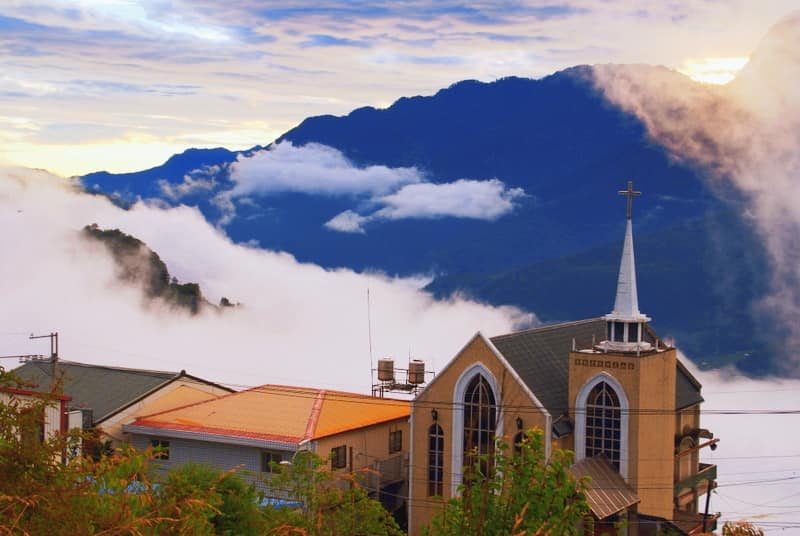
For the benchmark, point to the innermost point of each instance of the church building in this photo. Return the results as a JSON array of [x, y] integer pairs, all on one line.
[[606, 388]]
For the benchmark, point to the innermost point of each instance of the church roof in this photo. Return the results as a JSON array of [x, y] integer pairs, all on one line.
[[541, 358]]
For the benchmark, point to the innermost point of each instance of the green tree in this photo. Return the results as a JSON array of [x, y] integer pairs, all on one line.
[[42, 491], [332, 504], [522, 494]]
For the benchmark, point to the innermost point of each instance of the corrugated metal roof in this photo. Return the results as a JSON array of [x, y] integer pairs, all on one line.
[[104, 390], [607, 492], [279, 413]]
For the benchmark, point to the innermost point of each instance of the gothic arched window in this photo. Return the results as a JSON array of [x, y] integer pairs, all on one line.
[[435, 460], [480, 423], [603, 423]]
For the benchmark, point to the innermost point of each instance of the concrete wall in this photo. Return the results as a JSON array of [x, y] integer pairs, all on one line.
[[439, 395]]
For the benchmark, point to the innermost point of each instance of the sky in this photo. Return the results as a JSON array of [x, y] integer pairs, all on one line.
[[120, 85]]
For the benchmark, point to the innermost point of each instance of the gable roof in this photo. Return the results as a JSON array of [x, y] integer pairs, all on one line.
[[103, 389], [274, 414], [541, 358]]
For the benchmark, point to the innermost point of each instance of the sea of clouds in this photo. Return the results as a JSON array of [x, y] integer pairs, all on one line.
[[300, 324]]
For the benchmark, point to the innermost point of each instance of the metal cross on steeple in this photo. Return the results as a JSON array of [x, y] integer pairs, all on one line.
[[630, 192]]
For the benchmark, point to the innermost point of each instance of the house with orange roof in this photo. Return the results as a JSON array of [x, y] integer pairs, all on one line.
[[254, 429]]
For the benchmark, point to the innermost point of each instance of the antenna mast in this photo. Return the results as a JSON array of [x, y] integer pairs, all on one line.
[[53, 336], [369, 336]]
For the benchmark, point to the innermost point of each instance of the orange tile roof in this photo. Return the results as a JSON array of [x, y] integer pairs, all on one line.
[[279, 413], [182, 395]]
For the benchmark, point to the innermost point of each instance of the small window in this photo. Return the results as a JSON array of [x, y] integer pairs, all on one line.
[[619, 331], [395, 441], [160, 449], [270, 461], [339, 457]]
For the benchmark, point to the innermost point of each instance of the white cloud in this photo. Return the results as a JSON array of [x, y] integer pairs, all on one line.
[[300, 324], [198, 180], [313, 169], [347, 222], [464, 198], [321, 170], [482, 200]]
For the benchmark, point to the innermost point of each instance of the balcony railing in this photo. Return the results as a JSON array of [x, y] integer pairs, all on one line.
[[384, 472], [707, 472]]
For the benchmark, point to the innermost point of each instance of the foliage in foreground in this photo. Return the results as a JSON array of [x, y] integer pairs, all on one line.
[[43, 491], [334, 503], [522, 494]]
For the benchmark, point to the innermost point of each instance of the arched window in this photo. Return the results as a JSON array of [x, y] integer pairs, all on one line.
[[603, 423], [480, 423], [435, 460]]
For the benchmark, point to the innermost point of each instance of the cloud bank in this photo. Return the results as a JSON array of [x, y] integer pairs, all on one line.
[[745, 134], [393, 193], [299, 324], [759, 430]]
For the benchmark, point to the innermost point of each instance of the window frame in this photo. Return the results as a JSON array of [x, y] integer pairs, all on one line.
[[339, 457], [395, 441], [580, 418], [268, 457], [435, 460], [164, 445]]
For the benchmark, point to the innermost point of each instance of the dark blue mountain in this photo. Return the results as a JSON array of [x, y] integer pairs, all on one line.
[[560, 140]]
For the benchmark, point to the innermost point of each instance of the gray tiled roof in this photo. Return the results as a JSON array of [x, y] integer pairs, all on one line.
[[541, 358], [687, 388], [104, 390]]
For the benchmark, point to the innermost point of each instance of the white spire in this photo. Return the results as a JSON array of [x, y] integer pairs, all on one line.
[[626, 304]]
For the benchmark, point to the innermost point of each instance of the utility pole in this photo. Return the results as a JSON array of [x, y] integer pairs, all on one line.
[[53, 336]]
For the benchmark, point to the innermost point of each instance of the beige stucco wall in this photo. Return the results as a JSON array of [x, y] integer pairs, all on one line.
[[365, 446], [439, 395], [649, 384]]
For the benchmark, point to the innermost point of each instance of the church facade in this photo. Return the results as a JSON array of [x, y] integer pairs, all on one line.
[[606, 388]]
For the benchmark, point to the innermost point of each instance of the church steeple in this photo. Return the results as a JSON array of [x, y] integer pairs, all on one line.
[[625, 322]]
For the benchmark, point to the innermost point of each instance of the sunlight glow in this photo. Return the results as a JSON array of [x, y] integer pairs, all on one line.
[[713, 70]]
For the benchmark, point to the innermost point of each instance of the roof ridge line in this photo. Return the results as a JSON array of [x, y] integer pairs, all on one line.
[[110, 367], [548, 327], [199, 402], [313, 418]]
